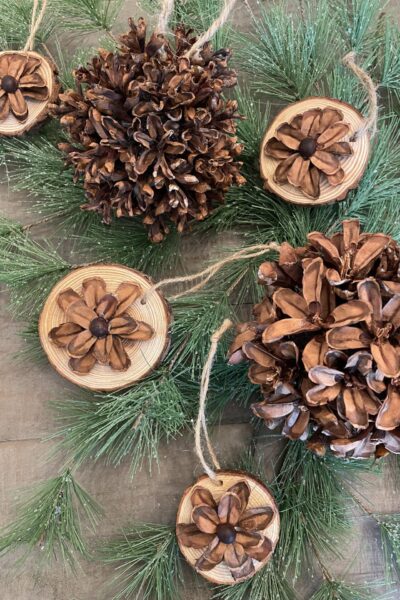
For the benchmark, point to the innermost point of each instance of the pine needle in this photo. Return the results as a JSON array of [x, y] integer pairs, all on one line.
[[147, 563], [51, 521], [336, 590], [312, 503], [85, 16], [267, 583], [29, 270], [132, 423]]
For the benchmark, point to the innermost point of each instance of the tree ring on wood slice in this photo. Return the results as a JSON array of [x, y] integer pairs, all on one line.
[[353, 165], [145, 356], [259, 497], [38, 110]]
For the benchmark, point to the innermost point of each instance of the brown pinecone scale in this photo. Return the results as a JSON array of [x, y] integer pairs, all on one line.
[[152, 135], [325, 343]]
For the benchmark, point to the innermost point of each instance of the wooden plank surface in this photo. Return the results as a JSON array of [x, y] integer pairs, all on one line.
[[25, 419]]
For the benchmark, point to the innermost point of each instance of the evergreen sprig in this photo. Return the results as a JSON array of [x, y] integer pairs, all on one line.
[[85, 16], [195, 14], [131, 423], [29, 269], [337, 590], [313, 504], [267, 583], [389, 526], [15, 22], [147, 563], [51, 521]]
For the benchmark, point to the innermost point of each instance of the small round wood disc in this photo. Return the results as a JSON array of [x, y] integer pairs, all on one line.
[[38, 109], [353, 166], [145, 355], [259, 496]]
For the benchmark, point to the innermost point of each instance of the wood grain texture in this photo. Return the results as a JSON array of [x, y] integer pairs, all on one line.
[[260, 496], [154, 497], [353, 166], [38, 110], [145, 356]]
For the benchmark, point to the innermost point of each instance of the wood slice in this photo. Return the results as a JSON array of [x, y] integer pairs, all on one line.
[[38, 110], [145, 355], [259, 496], [353, 166]]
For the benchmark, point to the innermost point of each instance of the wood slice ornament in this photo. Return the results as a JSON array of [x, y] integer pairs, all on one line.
[[109, 337], [28, 85], [253, 536], [315, 151], [227, 523]]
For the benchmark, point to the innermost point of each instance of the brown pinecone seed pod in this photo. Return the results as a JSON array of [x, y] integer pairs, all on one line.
[[325, 343], [151, 134]]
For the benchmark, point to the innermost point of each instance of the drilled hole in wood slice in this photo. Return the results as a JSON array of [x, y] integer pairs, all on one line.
[[145, 356], [353, 166], [37, 109], [260, 496]]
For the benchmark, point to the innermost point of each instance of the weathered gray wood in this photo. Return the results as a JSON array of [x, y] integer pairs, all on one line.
[[25, 419]]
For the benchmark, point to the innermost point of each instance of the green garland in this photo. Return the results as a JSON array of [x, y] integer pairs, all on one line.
[[284, 57]]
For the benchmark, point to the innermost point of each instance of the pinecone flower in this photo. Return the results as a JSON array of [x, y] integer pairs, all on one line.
[[98, 325], [325, 345], [227, 531], [20, 79], [310, 147], [152, 136]]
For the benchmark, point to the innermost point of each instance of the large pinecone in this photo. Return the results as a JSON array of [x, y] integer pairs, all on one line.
[[325, 343], [155, 137]]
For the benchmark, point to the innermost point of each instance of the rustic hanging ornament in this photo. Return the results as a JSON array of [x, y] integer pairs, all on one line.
[[153, 136], [324, 344], [97, 333], [28, 83], [227, 521], [316, 150]]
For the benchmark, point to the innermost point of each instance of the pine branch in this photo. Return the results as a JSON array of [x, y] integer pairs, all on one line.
[[359, 23], [132, 423], [389, 526], [147, 563], [15, 22], [267, 583], [36, 166], [51, 521], [29, 270], [287, 57], [390, 71], [195, 14], [337, 590], [312, 505], [126, 241], [85, 16], [196, 317]]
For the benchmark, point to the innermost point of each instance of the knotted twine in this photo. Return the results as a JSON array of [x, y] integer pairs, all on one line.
[[165, 15], [201, 423], [209, 272], [35, 23], [371, 122]]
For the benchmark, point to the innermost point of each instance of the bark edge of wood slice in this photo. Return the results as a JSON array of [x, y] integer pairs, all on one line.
[[353, 166], [145, 356], [38, 109], [259, 496]]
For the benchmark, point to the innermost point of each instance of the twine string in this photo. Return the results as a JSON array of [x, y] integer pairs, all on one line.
[[205, 275], [35, 23], [371, 122], [212, 30], [201, 423], [165, 14]]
